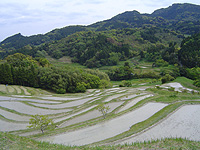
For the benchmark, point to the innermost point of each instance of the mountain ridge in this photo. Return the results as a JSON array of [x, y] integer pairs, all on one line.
[[182, 18]]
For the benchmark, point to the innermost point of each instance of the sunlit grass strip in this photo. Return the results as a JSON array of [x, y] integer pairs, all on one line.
[[25, 90], [11, 89], [13, 111], [149, 122], [10, 120], [18, 90], [13, 142], [188, 83], [3, 88]]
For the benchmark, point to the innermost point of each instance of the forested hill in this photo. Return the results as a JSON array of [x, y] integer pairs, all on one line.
[[178, 12], [182, 18], [19, 41]]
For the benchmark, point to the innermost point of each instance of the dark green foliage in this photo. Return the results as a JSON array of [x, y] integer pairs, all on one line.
[[170, 53], [150, 74], [167, 78], [160, 63], [18, 41], [154, 52], [126, 83], [189, 54], [91, 49], [182, 18], [193, 73], [42, 61], [197, 82], [178, 12], [23, 70], [6, 76], [19, 59], [149, 35], [162, 55], [121, 73]]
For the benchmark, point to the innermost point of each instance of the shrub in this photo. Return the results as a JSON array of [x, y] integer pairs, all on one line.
[[171, 89], [167, 78], [197, 83], [105, 84], [61, 91], [160, 63], [173, 95], [81, 87], [126, 83]]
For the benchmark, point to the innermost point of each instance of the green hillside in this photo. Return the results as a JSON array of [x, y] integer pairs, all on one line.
[[185, 20]]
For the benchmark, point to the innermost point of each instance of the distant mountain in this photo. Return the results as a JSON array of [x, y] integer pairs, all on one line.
[[180, 18], [183, 18], [179, 12], [19, 41]]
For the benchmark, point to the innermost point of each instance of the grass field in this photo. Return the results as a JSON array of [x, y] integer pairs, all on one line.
[[13, 142]]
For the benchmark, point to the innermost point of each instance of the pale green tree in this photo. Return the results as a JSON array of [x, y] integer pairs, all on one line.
[[41, 122], [103, 109]]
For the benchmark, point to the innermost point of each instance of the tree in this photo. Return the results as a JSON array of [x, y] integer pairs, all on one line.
[[19, 59], [42, 122], [167, 78], [189, 54], [126, 83], [103, 109]]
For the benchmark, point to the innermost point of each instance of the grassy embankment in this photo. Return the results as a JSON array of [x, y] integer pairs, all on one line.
[[13, 142]]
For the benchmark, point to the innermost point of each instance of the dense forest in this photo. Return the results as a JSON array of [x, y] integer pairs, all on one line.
[[99, 48], [19, 69], [181, 18], [166, 37]]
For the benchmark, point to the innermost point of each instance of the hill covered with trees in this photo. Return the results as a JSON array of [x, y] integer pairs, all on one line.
[[181, 18], [158, 38], [19, 69]]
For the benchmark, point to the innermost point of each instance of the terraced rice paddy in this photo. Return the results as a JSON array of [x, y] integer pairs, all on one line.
[[80, 123], [185, 123], [106, 129]]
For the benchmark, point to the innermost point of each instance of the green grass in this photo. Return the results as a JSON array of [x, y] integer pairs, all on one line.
[[186, 83], [13, 142], [166, 96], [67, 63]]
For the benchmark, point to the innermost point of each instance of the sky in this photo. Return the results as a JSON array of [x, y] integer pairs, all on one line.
[[30, 17]]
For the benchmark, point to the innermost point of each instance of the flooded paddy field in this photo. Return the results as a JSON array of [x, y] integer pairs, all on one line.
[[26, 109], [184, 123], [106, 129], [14, 98], [11, 126], [133, 102], [80, 123], [90, 115], [65, 105], [13, 116]]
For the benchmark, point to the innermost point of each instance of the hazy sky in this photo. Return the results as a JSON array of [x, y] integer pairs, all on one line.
[[30, 17]]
